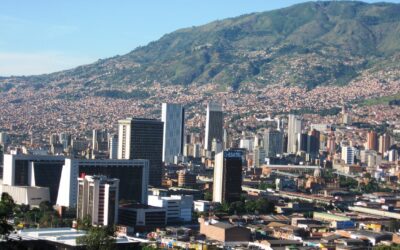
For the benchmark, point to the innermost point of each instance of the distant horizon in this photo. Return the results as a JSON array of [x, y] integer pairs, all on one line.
[[45, 37]]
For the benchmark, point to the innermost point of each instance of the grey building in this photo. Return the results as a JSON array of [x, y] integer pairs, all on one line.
[[214, 125], [273, 143], [173, 116], [140, 138]]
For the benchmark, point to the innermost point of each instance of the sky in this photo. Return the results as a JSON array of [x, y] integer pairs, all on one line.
[[45, 36]]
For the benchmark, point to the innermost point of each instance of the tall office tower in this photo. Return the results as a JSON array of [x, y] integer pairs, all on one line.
[[79, 144], [4, 139], [99, 140], [216, 146], [273, 143], [113, 147], [247, 143], [257, 141], [385, 142], [393, 155], [302, 142], [228, 176], [214, 124], [372, 141], [285, 143], [65, 140], [140, 138], [331, 143], [279, 124], [294, 128], [313, 142], [173, 116], [226, 140], [258, 156], [98, 199], [53, 140], [348, 154]]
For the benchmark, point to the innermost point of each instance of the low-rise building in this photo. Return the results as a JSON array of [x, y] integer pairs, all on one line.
[[27, 195], [224, 232], [178, 207], [202, 206], [142, 217]]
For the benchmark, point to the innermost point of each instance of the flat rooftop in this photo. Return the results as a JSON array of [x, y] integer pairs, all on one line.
[[63, 235]]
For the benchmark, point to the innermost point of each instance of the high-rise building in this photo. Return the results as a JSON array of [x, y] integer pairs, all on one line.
[[4, 139], [99, 140], [331, 143], [79, 144], [273, 143], [140, 138], [258, 156], [393, 155], [301, 142], [214, 124], [226, 141], [348, 154], [65, 139], [133, 178], [53, 139], [173, 116], [216, 146], [372, 141], [247, 143], [113, 147], [278, 124], [98, 199], [384, 143], [313, 142], [186, 179], [227, 185], [294, 128]]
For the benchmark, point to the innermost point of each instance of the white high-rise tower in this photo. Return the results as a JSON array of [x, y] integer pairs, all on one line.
[[294, 128], [173, 116]]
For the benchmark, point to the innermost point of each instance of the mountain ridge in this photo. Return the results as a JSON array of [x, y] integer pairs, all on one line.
[[307, 44]]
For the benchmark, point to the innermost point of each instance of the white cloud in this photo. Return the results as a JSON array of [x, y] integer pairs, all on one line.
[[39, 62]]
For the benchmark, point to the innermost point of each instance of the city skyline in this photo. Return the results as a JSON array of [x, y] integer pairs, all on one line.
[[270, 130]]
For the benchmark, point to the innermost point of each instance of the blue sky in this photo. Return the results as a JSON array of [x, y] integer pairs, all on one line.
[[44, 36]]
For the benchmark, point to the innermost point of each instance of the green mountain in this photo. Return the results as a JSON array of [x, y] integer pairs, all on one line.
[[309, 44]]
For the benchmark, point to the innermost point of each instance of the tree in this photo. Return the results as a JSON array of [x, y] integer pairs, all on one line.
[[6, 211], [101, 238], [265, 185], [394, 226], [392, 247], [208, 196], [250, 206], [148, 247], [236, 207], [85, 223], [264, 206], [222, 208], [45, 206]]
